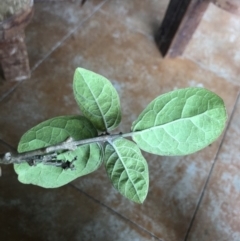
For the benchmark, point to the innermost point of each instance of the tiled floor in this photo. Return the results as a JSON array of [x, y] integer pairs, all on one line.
[[192, 198]]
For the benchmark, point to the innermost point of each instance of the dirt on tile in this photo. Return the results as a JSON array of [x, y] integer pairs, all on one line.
[[9, 7]]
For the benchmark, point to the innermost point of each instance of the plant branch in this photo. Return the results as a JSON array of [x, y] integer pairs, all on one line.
[[68, 145]]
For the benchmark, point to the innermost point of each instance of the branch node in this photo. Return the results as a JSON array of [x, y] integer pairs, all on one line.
[[69, 139], [8, 156]]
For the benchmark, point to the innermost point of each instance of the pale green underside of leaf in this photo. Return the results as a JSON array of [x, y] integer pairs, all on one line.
[[52, 132], [180, 122], [88, 160], [127, 169], [97, 99]]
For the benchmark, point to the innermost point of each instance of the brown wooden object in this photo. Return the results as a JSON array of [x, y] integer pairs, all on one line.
[[181, 20], [13, 53]]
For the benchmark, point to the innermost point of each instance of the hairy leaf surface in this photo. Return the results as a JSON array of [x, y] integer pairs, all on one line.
[[127, 169], [180, 122], [97, 99], [52, 132]]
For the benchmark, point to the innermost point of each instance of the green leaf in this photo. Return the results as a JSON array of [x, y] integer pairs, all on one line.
[[88, 160], [52, 132], [180, 122], [127, 169], [97, 99], [56, 130]]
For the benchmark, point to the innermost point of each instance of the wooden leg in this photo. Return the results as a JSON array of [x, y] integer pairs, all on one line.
[[181, 20], [14, 58]]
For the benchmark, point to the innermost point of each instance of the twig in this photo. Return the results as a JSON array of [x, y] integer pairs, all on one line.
[[68, 145]]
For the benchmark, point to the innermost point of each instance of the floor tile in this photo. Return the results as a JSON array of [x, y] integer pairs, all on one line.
[[5, 147], [51, 24], [232, 6], [135, 67], [220, 50], [33, 213], [218, 217], [53, 21], [141, 16], [7, 87]]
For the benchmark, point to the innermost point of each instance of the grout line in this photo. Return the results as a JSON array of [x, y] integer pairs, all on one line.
[[211, 170], [57, 45], [10, 90], [4, 143], [116, 213], [97, 8]]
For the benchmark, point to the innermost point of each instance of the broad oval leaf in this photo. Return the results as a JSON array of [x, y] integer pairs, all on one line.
[[97, 99], [127, 169], [56, 130], [180, 122], [51, 132]]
